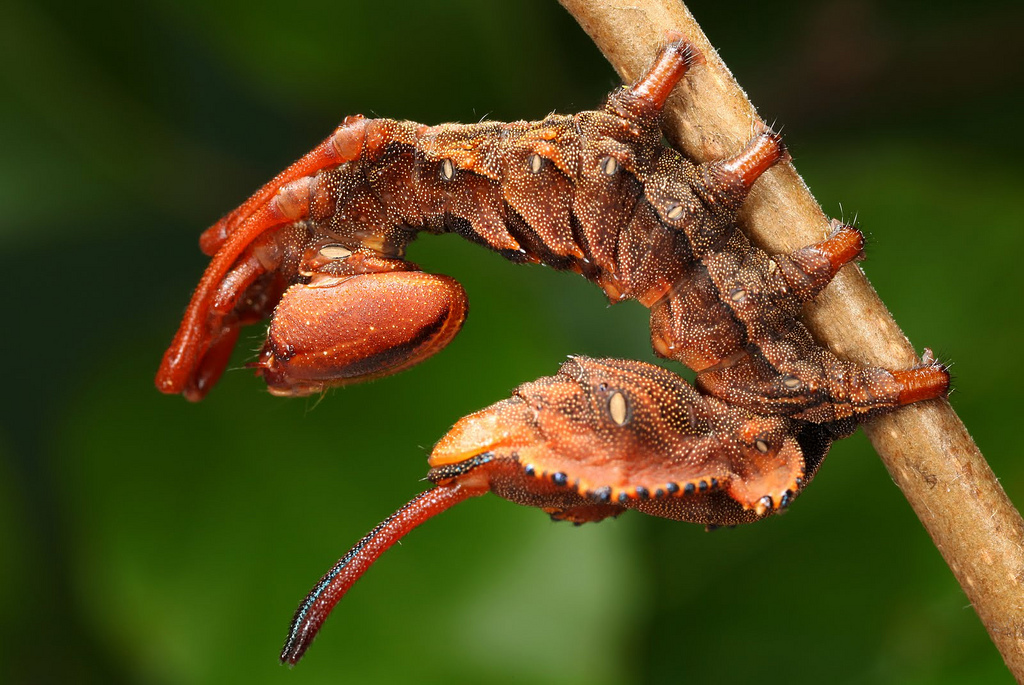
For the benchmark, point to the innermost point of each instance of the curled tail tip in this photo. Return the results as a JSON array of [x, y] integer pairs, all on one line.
[[299, 639], [290, 657]]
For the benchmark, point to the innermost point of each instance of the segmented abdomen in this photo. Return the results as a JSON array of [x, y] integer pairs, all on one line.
[[565, 191], [597, 194]]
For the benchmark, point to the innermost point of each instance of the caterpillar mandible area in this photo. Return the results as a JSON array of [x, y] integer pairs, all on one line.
[[320, 251]]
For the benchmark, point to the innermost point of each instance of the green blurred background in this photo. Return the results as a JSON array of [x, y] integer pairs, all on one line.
[[147, 540]]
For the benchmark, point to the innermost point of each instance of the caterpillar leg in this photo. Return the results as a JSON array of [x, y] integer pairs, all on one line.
[[245, 294], [647, 97], [283, 201], [701, 201], [771, 364], [808, 270], [727, 182], [178, 369], [763, 294], [344, 145]]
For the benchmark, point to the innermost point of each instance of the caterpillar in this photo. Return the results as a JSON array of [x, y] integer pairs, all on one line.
[[320, 251]]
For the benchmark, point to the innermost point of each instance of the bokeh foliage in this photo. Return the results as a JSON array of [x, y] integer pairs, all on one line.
[[148, 540]]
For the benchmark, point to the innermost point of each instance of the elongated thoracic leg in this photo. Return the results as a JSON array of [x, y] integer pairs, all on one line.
[[191, 343], [282, 201], [235, 304], [246, 294], [345, 144]]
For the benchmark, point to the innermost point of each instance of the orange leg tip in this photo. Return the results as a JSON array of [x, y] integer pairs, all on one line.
[[845, 245], [170, 377], [684, 50], [671, 64], [773, 139], [166, 385], [212, 238], [211, 365], [764, 151], [922, 383], [194, 377]]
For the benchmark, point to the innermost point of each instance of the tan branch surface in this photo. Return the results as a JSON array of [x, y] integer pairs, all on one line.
[[925, 447]]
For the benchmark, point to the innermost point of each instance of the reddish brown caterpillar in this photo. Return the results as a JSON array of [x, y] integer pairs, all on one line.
[[320, 251]]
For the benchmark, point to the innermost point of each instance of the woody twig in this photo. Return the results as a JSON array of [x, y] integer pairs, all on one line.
[[925, 446]]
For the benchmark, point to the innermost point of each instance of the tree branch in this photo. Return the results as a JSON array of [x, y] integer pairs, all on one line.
[[925, 446]]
